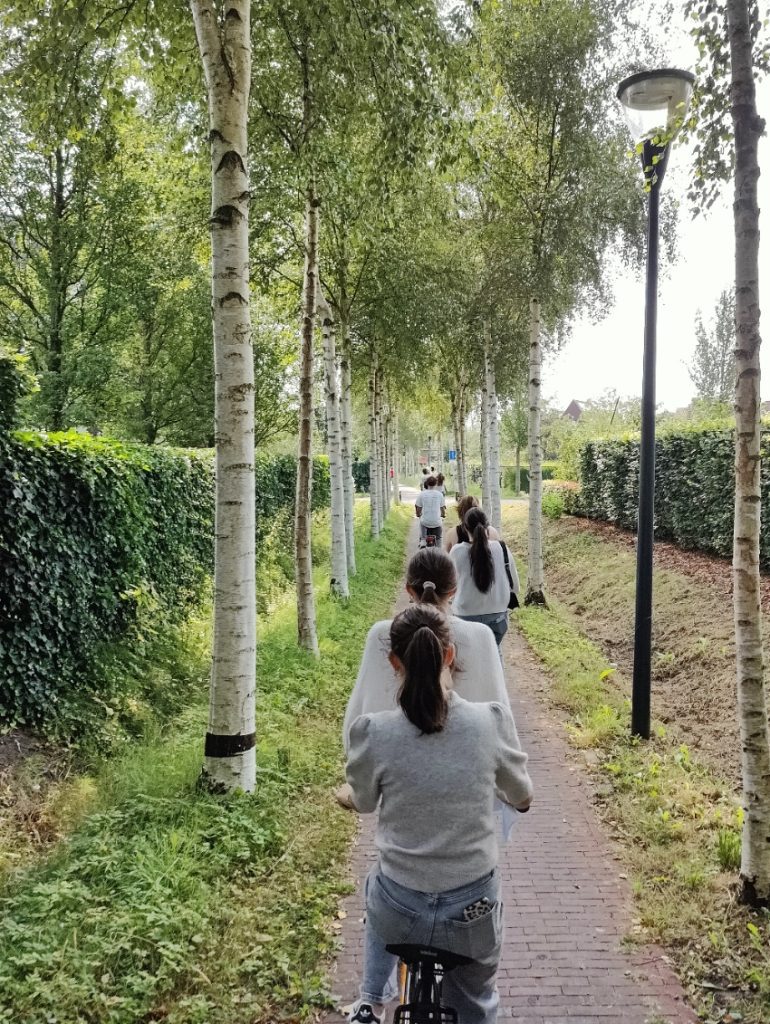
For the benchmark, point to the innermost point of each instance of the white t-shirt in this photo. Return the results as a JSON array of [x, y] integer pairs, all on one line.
[[431, 502], [469, 600], [477, 673]]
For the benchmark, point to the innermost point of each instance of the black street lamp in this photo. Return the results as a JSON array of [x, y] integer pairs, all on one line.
[[655, 104]]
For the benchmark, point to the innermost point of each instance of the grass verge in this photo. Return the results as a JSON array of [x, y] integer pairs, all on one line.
[[168, 904], [677, 824]]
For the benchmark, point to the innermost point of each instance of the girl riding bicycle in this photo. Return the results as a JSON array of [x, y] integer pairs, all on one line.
[[432, 766]]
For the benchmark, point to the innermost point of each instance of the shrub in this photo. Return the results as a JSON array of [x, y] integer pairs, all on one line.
[[16, 380], [552, 505], [549, 470], [361, 475], [103, 543], [562, 494], [694, 487]]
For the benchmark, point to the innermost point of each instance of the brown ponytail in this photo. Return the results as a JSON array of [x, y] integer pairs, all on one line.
[[419, 637], [431, 575], [482, 566]]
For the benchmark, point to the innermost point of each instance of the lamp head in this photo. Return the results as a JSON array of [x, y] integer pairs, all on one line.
[[655, 103]]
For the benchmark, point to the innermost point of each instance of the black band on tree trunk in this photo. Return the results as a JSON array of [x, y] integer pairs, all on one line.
[[221, 745]]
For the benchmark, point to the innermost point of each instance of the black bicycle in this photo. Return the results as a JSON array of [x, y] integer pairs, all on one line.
[[421, 978]]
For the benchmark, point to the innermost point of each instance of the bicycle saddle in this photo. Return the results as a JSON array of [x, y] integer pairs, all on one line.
[[411, 954]]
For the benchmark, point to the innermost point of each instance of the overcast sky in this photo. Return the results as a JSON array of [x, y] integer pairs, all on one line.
[[608, 355]]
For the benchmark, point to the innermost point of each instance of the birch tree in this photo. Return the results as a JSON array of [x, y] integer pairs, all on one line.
[[752, 702], [558, 201], [303, 560], [339, 562], [493, 428], [535, 583], [735, 52], [223, 34]]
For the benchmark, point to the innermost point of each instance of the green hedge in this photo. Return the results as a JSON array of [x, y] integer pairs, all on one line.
[[549, 469], [97, 539], [694, 488], [361, 475]]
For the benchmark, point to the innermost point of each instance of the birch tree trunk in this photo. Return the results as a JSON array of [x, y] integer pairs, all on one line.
[[339, 562], [456, 402], [306, 626], [517, 484], [382, 449], [346, 434], [374, 465], [230, 749], [395, 461], [495, 510], [752, 704], [535, 584], [484, 442], [463, 462]]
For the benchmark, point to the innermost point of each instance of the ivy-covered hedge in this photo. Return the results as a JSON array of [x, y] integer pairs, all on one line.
[[694, 488], [276, 484], [361, 475], [98, 538], [91, 530]]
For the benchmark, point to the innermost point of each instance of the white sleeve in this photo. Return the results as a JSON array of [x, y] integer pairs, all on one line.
[[480, 677], [361, 769], [512, 778], [376, 683]]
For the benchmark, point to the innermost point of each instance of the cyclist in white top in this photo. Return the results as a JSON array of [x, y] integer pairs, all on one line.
[[430, 507]]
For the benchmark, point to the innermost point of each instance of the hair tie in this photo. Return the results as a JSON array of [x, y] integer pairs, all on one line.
[[429, 585]]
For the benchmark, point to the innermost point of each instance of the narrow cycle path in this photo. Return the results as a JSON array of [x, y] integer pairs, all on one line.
[[567, 910]]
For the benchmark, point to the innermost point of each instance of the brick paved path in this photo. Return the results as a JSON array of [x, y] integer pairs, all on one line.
[[567, 910]]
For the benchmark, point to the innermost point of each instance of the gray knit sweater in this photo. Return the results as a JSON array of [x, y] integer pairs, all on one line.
[[436, 828]]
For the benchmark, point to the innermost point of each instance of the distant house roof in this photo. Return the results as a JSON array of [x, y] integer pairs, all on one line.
[[574, 410]]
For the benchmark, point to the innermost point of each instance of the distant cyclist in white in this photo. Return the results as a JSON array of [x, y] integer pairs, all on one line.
[[430, 506]]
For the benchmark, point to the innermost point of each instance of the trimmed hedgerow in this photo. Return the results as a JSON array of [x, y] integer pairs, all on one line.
[[92, 530], [361, 475], [99, 539], [694, 488]]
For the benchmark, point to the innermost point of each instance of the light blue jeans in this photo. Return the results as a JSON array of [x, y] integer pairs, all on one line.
[[396, 915], [497, 622]]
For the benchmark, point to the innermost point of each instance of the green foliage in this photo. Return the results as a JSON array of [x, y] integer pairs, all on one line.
[[549, 470], [729, 849], [103, 543], [15, 381], [564, 494], [552, 504], [712, 369], [694, 488], [168, 903], [93, 534], [361, 476]]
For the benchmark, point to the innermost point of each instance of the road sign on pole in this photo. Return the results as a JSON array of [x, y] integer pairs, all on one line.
[[452, 455]]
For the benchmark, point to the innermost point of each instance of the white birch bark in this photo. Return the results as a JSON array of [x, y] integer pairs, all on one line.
[[303, 564], [346, 433], [535, 583], [752, 699], [339, 561], [495, 510], [225, 48], [374, 465], [456, 402], [382, 449], [463, 461], [396, 460], [484, 441]]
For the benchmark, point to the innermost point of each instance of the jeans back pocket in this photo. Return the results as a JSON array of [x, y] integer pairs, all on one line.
[[392, 922], [480, 939]]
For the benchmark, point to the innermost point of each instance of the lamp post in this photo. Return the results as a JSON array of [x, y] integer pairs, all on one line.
[[655, 104]]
